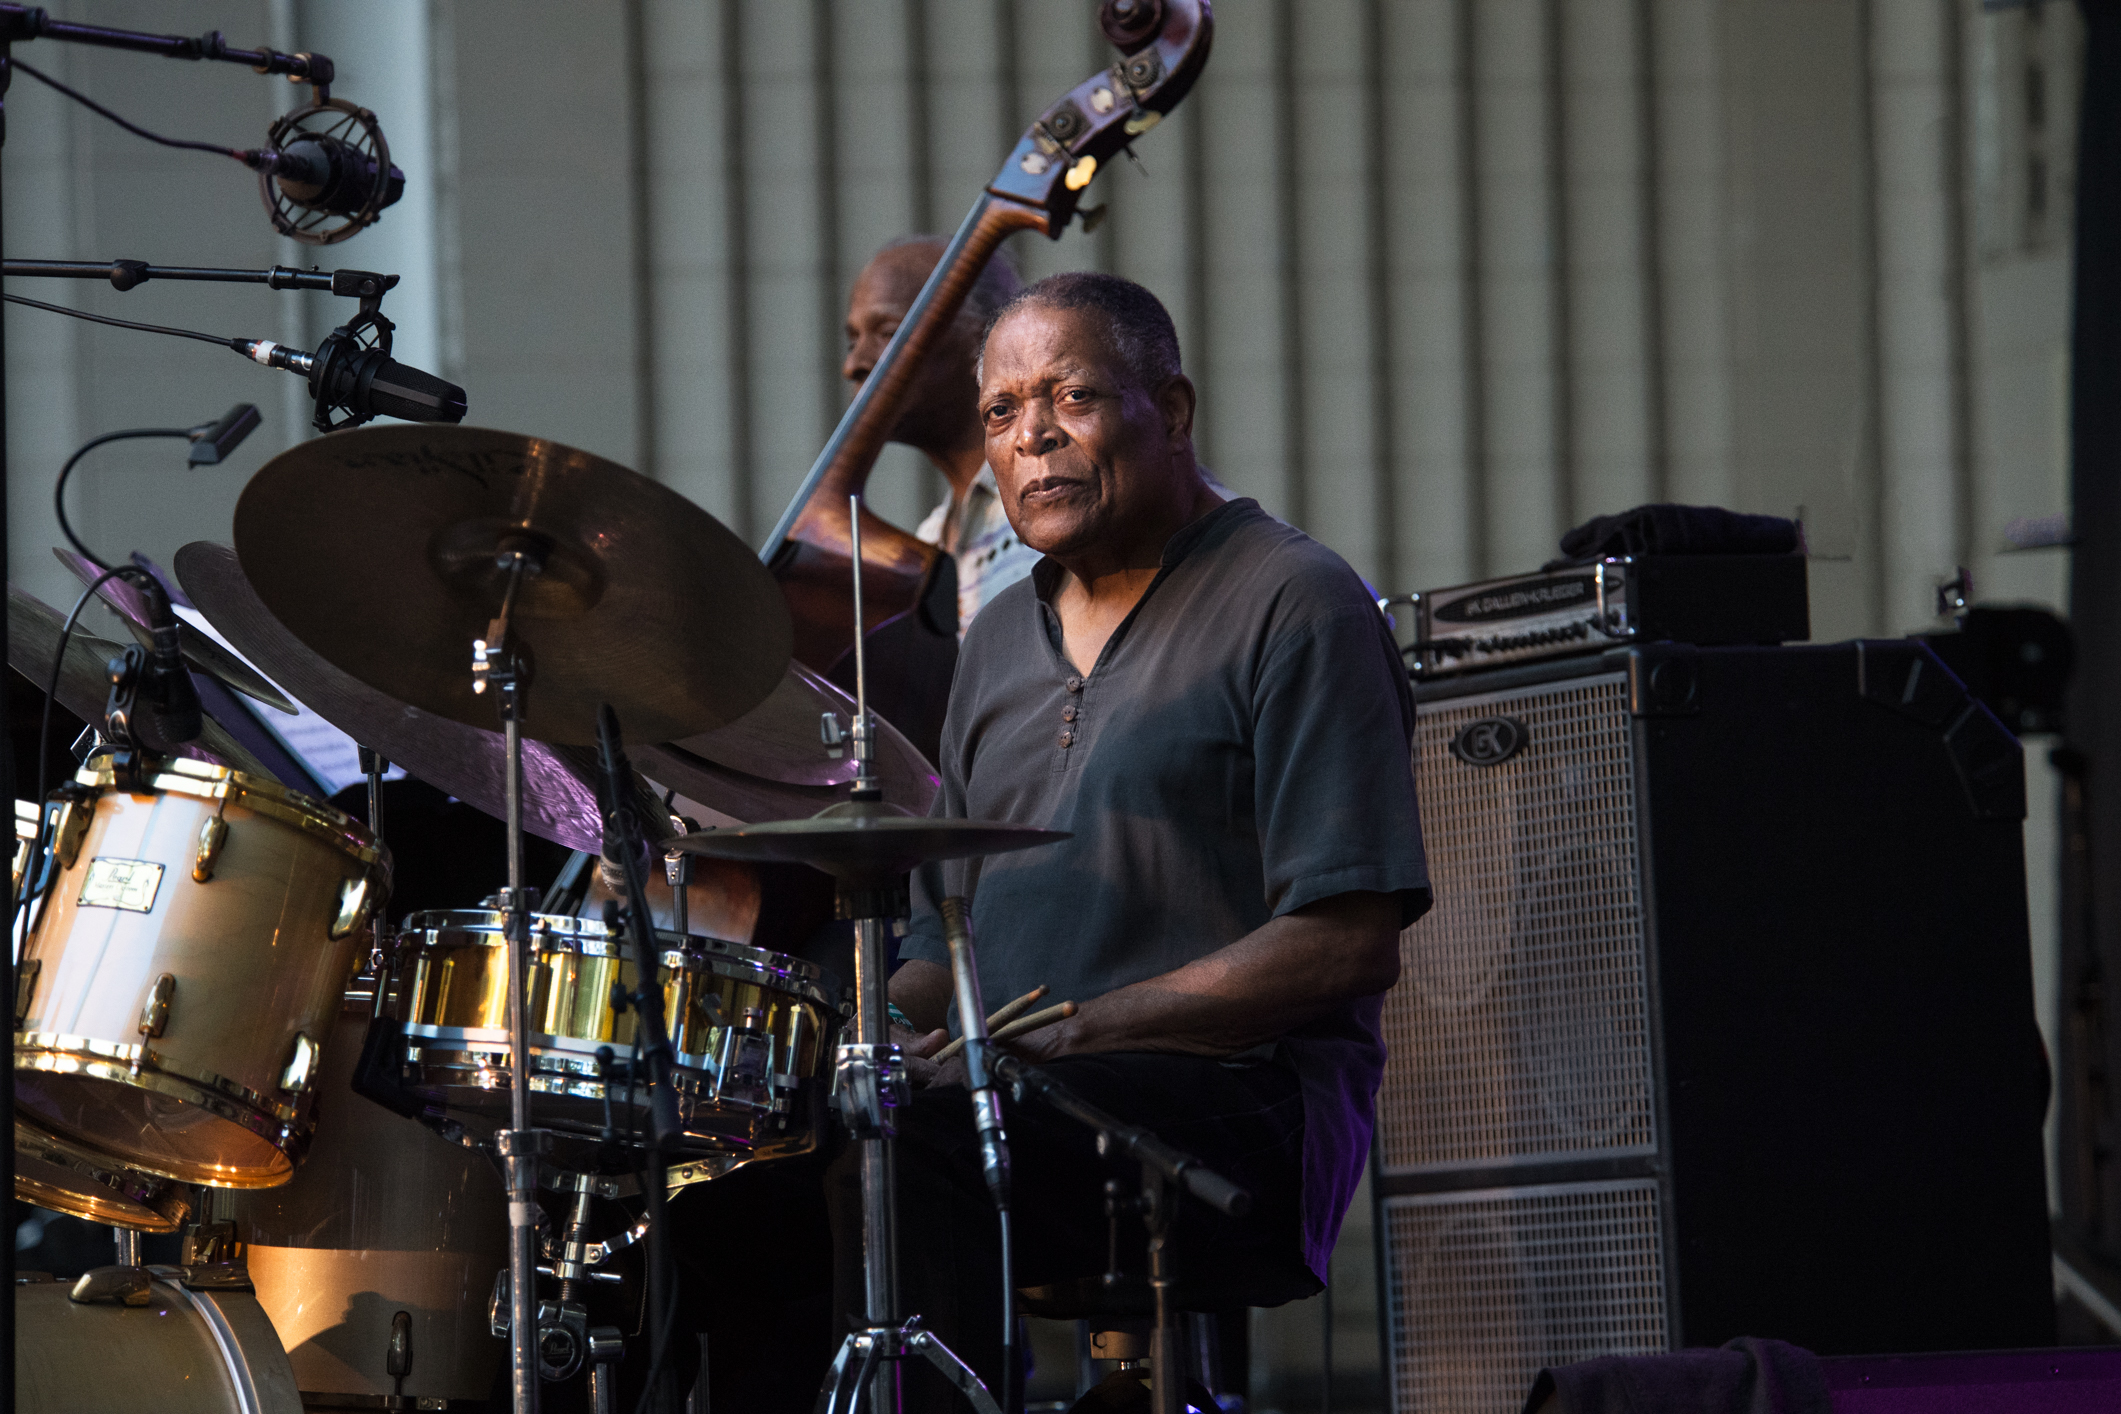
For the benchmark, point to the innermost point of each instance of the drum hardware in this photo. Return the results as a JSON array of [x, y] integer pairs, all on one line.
[[1166, 1173], [870, 848], [132, 605]]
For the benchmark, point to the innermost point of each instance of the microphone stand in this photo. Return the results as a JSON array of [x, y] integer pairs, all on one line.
[[24, 22], [1164, 1168], [364, 285], [623, 832]]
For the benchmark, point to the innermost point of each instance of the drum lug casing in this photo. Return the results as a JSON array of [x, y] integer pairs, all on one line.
[[25, 987], [301, 1069], [213, 834], [154, 1012]]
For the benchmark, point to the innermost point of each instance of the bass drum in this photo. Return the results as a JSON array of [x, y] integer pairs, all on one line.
[[386, 1218], [184, 1352]]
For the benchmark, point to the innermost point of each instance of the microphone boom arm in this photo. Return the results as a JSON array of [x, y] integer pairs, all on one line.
[[25, 22]]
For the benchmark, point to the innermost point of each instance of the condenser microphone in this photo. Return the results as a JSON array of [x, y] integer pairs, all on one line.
[[360, 382], [323, 172]]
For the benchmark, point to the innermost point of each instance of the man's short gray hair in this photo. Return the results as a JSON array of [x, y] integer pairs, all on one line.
[[1141, 327]]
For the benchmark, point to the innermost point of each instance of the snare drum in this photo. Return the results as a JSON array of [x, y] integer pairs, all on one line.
[[53, 1174], [384, 1219], [186, 968], [753, 1031], [189, 1350]]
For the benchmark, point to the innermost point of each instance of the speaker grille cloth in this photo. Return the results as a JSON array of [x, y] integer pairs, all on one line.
[[1519, 1030], [1486, 1287]]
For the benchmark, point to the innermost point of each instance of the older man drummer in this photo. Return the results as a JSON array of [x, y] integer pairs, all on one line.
[[1209, 701]]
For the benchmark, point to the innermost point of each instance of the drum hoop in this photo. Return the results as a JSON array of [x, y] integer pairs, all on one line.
[[277, 1124], [762, 966], [106, 1184], [202, 780], [493, 1040]]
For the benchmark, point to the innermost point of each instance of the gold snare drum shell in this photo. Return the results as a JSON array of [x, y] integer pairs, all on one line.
[[168, 1029], [752, 1028]]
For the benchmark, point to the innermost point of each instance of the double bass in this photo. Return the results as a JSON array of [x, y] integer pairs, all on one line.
[[909, 588]]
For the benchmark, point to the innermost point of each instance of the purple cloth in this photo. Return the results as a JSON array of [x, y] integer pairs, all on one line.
[[1984, 1382], [1748, 1376]]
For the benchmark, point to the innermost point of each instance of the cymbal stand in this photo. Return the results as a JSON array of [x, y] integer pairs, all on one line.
[[497, 664], [869, 1083]]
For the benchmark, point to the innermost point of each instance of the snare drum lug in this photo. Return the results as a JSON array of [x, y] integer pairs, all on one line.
[[301, 1070], [154, 1012], [128, 1286], [212, 835], [75, 811]]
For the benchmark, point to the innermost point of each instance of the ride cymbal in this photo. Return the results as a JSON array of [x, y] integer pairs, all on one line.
[[382, 549], [84, 683], [559, 794], [130, 604]]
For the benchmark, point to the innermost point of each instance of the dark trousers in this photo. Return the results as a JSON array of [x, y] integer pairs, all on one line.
[[772, 1255]]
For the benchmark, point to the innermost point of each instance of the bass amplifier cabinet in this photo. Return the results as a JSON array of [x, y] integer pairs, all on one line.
[[1722, 1024]]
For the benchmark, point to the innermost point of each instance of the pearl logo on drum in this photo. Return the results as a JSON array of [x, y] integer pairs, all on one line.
[[1490, 741]]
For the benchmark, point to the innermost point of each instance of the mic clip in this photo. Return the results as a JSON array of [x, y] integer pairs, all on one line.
[[132, 765]]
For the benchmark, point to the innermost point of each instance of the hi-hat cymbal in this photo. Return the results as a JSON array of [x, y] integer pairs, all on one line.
[[381, 549], [778, 740], [84, 683], [862, 841], [201, 652], [559, 794]]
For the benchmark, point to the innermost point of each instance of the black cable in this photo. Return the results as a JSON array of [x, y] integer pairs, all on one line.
[[134, 128], [66, 527], [34, 868], [236, 344]]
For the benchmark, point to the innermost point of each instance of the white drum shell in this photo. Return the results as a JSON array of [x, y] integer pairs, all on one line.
[[185, 1352], [254, 967]]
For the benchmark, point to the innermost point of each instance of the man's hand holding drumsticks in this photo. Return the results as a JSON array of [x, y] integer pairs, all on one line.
[[936, 1059]]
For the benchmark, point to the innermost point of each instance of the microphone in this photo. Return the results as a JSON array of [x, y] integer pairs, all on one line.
[[615, 793], [175, 697], [360, 382], [323, 172]]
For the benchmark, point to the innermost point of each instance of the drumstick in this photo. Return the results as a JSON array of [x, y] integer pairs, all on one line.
[[1013, 1010], [1014, 1029]]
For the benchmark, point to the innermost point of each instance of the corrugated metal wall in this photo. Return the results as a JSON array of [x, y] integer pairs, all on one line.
[[1452, 274]]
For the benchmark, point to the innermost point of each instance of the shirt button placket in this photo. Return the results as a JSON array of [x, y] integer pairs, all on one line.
[[1070, 712]]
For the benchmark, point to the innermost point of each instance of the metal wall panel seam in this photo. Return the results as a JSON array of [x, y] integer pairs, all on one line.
[[1289, 269], [1561, 349], [1473, 314], [1377, 273], [736, 217], [1650, 254]]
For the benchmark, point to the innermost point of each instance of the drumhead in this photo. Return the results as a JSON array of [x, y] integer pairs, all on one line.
[[169, 1127]]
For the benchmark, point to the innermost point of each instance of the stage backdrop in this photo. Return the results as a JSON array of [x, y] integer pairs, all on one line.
[[1452, 274]]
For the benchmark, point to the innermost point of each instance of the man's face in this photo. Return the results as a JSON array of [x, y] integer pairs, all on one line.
[[1079, 448], [939, 405]]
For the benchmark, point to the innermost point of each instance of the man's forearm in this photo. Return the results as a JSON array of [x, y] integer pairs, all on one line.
[[1267, 983]]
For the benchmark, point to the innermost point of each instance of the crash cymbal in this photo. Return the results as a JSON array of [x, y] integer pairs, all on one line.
[[863, 840], [559, 794], [380, 549], [84, 682], [209, 657], [771, 765], [778, 740]]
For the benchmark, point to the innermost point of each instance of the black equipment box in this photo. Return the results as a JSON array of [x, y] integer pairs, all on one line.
[[1699, 599]]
